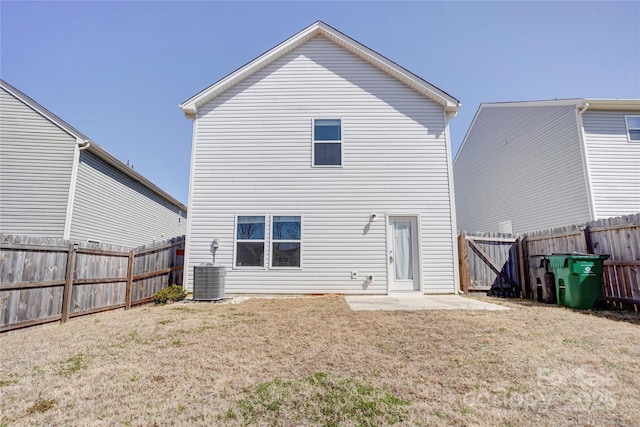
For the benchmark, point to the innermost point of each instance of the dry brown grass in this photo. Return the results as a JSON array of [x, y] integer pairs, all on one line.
[[289, 361]]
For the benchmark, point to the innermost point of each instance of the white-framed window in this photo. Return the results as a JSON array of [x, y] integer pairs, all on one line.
[[286, 241], [633, 128], [250, 241], [327, 142]]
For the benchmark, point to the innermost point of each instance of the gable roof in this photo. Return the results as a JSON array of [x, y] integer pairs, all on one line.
[[92, 147], [600, 104], [319, 28]]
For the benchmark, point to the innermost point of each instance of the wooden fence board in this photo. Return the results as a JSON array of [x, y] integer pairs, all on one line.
[[488, 262], [44, 279], [618, 237]]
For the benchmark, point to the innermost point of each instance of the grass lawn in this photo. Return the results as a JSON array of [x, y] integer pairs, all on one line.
[[312, 361]]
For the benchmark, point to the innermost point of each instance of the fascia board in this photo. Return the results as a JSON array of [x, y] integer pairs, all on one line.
[[66, 127], [593, 104], [614, 104], [601, 104], [548, 103], [104, 155], [191, 105], [93, 147], [391, 68], [540, 103], [466, 135], [450, 103]]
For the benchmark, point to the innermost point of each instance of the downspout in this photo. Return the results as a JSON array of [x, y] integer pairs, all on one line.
[[84, 144], [585, 160], [448, 115], [187, 241], [80, 145]]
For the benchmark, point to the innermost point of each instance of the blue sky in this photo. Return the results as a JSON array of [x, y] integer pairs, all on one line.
[[118, 70]]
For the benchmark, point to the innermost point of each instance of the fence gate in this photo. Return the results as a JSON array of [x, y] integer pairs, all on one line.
[[489, 262]]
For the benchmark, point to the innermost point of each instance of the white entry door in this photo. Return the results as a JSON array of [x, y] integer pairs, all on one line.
[[403, 254]]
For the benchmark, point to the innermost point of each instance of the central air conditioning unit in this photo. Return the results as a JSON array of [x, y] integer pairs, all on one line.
[[208, 282]]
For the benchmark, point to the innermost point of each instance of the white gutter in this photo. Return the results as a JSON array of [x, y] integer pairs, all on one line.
[[585, 159], [84, 144], [187, 241], [452, 203]]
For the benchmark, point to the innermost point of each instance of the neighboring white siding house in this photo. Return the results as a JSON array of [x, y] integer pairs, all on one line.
[[318, 166], [525, 166], [55, 182]]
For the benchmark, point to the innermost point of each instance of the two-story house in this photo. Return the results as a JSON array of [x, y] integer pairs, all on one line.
[[526, 166], [323, 167]]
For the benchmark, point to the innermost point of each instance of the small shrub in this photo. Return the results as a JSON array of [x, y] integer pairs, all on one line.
[[172, 293]]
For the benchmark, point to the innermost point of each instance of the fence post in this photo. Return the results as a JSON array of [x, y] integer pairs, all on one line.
[[463, 262], [68, 282], [521, 250], [587, 239], [127, 297]]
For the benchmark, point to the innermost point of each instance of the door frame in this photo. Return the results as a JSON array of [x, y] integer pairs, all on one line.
[[389, 245]]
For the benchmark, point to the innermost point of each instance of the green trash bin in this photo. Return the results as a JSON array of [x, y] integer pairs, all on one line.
[[578, 279]]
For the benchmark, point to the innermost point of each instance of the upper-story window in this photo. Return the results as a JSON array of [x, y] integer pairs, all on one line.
[[633, 128], [327, 142]]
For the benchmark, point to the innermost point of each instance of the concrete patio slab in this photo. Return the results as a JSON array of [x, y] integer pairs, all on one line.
[[418, 302]]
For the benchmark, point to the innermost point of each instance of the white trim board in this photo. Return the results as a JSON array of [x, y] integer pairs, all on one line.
[[319, 28]]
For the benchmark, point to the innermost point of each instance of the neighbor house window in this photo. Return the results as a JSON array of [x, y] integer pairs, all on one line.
[[633, 128], [286, 241], [250, 241], [327, 142]]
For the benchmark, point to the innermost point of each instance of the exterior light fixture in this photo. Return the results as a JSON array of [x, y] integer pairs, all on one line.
[[373, 218]]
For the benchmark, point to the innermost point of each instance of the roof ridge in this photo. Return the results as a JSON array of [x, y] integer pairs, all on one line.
[[93, 147], [191, 105]]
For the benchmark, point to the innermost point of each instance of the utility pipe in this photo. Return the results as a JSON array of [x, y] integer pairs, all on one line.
[[585, 160]]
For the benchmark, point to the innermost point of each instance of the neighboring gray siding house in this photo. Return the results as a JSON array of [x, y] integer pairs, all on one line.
[[55, 182], [525, 166], [318, 166]]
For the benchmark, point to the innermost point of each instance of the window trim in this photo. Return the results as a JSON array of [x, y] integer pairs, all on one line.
[[314, 142], [628, 128], [272, 241], [263, 240]]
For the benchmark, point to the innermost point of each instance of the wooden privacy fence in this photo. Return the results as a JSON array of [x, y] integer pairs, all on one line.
[[496, 262], [489, 262], [617, 237], [45, 280]]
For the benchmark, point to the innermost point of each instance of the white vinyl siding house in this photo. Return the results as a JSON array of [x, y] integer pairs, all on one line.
[[614, 162], [113, 207], [253, 156], [55, 182], [36, 159], [543, 164]]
